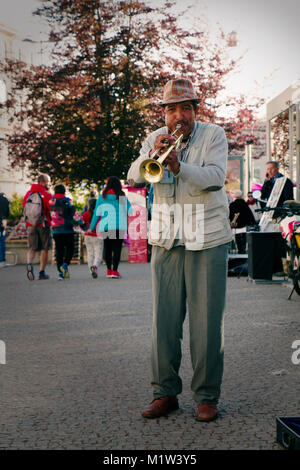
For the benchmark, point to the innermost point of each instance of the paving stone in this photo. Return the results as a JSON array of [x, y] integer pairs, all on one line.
[[78, 365]]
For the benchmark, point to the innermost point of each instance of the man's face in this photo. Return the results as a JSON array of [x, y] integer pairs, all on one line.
[[272, 170], [46, 183], [180, 113]]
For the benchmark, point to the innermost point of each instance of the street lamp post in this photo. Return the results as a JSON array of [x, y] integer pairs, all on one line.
[[248, 166]]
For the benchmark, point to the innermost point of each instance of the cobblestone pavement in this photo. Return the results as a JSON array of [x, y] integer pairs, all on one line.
[[77, 365]]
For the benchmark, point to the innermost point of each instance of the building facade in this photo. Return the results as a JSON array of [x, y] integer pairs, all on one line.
[[12, 46], [287, 102]]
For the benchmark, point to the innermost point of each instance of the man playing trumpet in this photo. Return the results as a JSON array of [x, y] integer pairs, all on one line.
[[189, 232]]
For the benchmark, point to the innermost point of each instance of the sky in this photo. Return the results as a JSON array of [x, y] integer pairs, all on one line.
[[268, 38]]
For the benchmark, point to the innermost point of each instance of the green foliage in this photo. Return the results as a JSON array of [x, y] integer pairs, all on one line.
[[79, 199], [87, 114], [81, 194], [15, 207]]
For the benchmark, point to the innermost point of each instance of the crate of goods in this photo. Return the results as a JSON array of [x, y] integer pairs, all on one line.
[[288, 432]]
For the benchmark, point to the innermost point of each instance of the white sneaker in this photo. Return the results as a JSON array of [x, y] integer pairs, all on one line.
[[3, 264]]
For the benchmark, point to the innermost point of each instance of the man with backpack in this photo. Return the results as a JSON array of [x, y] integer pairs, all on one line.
[[62, 214], [37, 217]]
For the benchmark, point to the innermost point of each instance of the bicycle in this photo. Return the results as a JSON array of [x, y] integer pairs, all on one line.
[[288, 218]]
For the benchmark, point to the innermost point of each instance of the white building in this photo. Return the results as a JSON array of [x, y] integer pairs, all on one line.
[[245, 169], [287, 101], [12, 46]]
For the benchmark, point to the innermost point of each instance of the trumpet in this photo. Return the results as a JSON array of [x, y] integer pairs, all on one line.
[[152, 169]]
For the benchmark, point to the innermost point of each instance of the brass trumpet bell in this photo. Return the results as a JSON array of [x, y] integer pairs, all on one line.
[[152, 169]]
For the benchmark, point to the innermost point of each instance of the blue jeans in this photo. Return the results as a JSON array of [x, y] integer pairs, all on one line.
[[2, 246]]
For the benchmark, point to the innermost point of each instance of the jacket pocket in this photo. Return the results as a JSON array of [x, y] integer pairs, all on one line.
[[194, 190], [211, 226], [161, 222], [163, 190]]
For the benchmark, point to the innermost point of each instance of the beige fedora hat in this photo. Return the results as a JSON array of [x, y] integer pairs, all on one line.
[[178, 90]]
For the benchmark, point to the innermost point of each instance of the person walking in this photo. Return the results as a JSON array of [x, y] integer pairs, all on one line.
[[113, 207], [93, 195], [62, 224], [240, 215], [94, 244], [190, 233], [37, 217], [4, 215]]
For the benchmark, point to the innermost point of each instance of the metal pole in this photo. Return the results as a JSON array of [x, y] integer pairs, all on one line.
[[268, 140], [291, 142], [250, 171], [246, 170], [298, 151]]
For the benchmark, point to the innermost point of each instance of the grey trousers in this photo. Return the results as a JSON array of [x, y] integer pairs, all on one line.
[[196, 280]]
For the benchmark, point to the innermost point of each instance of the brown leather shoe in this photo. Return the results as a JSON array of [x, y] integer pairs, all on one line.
[[207, 412], [160, 407]]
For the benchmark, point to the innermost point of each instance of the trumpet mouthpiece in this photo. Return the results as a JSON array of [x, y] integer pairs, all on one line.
[[178, 126]]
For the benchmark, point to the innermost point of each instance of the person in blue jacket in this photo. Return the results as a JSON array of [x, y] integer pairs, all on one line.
[[62, 224], [113, 209]]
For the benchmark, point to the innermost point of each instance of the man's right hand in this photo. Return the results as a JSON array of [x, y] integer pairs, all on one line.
[[162, 142]]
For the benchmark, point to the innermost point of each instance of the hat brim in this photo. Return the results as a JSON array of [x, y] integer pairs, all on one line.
[[180, 100]]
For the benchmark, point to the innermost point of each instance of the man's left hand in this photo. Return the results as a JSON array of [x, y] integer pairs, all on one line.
[[172, 162]]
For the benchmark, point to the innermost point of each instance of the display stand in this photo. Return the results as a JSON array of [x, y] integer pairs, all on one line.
[[266, 223], [265, 251], [266, 248]]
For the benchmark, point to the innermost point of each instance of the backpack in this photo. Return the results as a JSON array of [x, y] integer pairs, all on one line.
[[33, 209], [61, 213]]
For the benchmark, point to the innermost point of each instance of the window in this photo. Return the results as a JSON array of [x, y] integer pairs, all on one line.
[[2, 50], [3, 94]]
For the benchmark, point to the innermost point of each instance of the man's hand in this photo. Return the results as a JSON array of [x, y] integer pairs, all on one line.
[[233, 223], [162, 143], [172, 162]]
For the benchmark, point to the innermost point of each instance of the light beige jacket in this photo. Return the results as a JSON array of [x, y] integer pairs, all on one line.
[[195, 198]]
